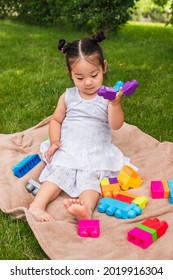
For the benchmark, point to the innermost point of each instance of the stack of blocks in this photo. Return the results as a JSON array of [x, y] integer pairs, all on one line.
[[162, 189], [147, 232], [119, 203]]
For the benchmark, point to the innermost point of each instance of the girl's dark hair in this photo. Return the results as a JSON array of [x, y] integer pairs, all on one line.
[[84, 47]]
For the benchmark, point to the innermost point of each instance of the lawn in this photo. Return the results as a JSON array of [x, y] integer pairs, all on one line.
[[33, 75]]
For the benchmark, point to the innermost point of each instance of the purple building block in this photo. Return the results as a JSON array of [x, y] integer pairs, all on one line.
[[113, 180], [130, 87], [140, 237], [89, 228], [107, 93]]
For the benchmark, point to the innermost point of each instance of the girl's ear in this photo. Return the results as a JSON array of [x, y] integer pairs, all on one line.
[[105, 66]]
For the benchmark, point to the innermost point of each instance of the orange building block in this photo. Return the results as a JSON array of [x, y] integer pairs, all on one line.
[[166, 188]]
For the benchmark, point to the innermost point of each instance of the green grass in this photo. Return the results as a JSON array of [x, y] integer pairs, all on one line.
[[33, 75]]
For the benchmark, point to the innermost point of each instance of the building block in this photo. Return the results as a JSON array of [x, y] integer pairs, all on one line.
[[109, 187], [166, 188], [170, 186], [32, 186], [110, 92], [128, 178], [130, 87], [26, 165], [140, 237], [157, 189], [140, 201], [118, 85], [123, 197], [89, 228], [147, 232], [154, 223], [148, 229], [118, 208], [162, 189]]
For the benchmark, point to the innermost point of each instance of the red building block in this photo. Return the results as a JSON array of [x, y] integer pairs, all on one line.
[[155, 223]]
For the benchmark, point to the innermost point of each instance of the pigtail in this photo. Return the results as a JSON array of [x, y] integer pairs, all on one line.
[[63, 46], [99, 37]]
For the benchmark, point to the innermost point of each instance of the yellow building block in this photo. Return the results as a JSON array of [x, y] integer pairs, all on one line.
[[128, 178], [128, 194], [141, 201], [104, 181]]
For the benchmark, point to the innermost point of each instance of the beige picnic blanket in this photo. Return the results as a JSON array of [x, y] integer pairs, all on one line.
[[59, 239]]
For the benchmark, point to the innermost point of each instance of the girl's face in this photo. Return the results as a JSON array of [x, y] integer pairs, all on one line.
[[87, 77]]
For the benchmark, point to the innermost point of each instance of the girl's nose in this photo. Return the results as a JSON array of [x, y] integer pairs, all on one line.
[[88, 82]]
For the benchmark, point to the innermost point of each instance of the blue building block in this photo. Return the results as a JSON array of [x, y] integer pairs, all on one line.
[[26, 165], [118, 85], [170, 186], [119, 209]]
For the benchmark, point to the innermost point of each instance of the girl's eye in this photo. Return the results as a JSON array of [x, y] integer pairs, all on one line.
[[80, 79], [94, 76]]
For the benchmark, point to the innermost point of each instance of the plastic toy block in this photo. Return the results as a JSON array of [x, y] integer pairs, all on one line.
[[170, 186], [118, 85], [118, 208], [110, 190], [110, 92], [157, 189], [89, 228], [107, 93], [26, 165], [32, 186], [140, 237], [104, 181], [166, 188], [148, 229], [128, 178], [143, 235], [113, 180], [109, 187], [140, 201], [155, 223], [124, 198], [130, 87], [128, 194]]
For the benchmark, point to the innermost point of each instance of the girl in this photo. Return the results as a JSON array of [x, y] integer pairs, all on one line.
[[80, 152]]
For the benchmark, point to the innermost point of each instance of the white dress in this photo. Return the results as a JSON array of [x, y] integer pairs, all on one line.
[[86, 153]]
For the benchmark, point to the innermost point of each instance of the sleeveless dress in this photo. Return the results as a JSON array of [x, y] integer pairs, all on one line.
[[86, 154]]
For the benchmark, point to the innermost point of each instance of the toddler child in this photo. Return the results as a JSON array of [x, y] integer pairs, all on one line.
[[80, 153]]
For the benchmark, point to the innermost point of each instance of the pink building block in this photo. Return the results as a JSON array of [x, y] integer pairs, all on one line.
[[140, 237], [89, 228], [157, 189]]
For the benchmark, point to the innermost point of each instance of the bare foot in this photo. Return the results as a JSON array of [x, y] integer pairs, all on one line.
[[41, 215], [76, 208]]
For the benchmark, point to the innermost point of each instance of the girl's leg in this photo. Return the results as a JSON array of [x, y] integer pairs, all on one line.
[[83, 207], [48, 192]]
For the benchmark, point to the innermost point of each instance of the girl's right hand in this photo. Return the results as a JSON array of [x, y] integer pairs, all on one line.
[[52, 149]]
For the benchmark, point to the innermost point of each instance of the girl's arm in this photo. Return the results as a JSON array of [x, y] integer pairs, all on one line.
[[115, 112], [55, 127]]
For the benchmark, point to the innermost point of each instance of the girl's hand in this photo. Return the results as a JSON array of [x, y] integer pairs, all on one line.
[[118, 97], [52, 149]]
